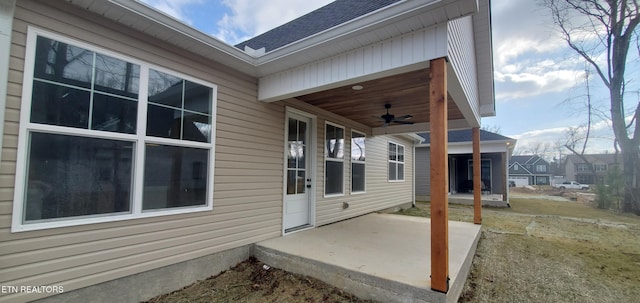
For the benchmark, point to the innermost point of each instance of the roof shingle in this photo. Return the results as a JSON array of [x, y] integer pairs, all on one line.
[[326, 17]]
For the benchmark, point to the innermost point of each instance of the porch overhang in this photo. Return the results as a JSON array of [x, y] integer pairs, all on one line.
[[396, 40]]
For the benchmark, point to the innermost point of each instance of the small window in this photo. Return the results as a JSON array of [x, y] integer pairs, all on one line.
[[396, 162], [334, 160], [541, 168], [358, 151]]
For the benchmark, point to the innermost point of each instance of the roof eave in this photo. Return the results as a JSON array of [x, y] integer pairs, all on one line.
[[387, 16], [223, 52]]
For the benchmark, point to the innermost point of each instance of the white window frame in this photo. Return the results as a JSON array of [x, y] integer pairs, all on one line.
[[541, 168], [389, 161], [364, 190], [326, 158], [600, 167], [140, 139]]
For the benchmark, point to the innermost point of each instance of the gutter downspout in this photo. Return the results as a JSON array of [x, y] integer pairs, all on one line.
[[7, 8]]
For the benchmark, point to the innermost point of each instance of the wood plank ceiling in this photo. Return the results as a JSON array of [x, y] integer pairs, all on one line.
[[407, 93]]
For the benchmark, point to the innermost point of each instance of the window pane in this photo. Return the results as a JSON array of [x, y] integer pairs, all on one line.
[[400, 153], [196, 128], [400, 172], [333, 177], [63, 63], [291, 182], [392, 152], [116, 76], [174, 177], [114, 114], [293, 130], [296, 155], [357, 177], [58, 105], [357, 147], [302, 132], [301, 182], [197, 97], [165, 89], [75, 176], [393, 171], [334, 142], [163, 122]]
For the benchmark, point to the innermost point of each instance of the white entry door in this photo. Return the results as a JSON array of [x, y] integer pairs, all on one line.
[[298, 179]]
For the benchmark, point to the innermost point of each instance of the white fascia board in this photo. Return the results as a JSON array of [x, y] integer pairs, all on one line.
[[484, 58]]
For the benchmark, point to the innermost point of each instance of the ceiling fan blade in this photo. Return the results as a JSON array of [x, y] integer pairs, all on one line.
[[402, 122], [405, 117]]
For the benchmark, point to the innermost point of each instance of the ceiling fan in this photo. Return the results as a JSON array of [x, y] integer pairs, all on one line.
[[389, 118]]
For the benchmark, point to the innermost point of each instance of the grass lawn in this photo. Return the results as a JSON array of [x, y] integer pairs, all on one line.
[[550, 251]]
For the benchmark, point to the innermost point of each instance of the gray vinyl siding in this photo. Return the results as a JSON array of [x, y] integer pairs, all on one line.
[[380, 193], [423, 168], [247, 205]]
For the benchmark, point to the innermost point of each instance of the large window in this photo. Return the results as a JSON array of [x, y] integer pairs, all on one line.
[[396, 162], [104, 137], [583, 167], [600, 167], [357, 162], [334, 160]]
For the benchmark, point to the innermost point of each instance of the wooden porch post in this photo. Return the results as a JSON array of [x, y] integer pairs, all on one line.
[[439, 176], [477, 165], [505, 178]]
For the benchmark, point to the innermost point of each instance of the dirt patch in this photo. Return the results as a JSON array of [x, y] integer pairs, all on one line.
[[551, 251], [254, 282], [539, 250]]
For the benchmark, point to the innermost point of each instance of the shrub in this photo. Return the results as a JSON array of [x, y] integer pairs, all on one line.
[[609, 193]]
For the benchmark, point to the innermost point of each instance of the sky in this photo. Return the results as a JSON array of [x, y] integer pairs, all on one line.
[[540, 84]]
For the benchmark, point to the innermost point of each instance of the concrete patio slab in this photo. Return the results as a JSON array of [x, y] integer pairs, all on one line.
[[382, 257]]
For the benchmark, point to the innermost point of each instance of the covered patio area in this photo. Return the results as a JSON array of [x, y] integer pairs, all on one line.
[[382, 257]]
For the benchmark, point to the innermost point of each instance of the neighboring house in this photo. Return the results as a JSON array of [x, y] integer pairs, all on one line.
[[529, 170], [593, 172], [140, 154], [495, 151]]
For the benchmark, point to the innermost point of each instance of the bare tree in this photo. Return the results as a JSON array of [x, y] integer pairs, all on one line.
[[492, 128], [602, 31]]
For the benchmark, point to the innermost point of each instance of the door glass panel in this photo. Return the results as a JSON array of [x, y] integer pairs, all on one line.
[[291, 182], [302, 132], [300, 182], [296, 160]]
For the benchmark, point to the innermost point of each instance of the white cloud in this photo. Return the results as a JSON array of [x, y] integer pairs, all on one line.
[[530, 57], [248, 18], [600, 139]]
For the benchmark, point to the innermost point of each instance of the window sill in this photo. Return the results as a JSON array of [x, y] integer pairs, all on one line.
[[104, 218]]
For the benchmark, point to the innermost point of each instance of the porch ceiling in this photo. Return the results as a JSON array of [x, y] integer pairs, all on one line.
[[408, 94]]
